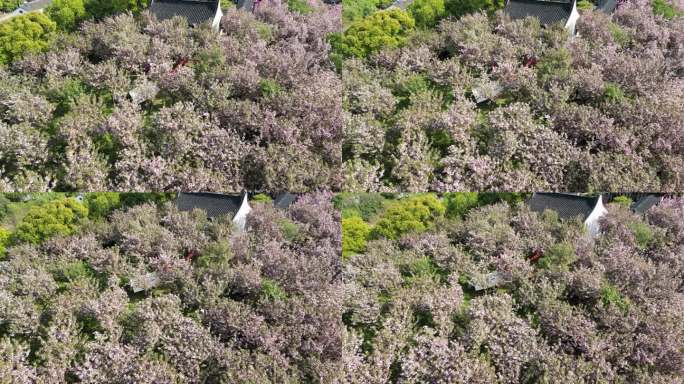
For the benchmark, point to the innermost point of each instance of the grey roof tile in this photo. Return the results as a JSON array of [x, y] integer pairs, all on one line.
[[195, 11], [214, 204], [645, 203], [568, 206], [284, 200], [548, 12]]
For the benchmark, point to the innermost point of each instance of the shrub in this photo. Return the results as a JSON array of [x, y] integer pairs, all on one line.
[[355, 232], [10, 5], [622, 201], [103, 8], [271, 291], [269, 88], [585, 5], [427, 13], [642, 234], [462, 7], [100, 204], [556, 63], [23, 34], [261, 198], [289, 229], [67, 13], [411, 214], [665, 9], [4, 240], [619, 35], [365, 205], [558, 257], [56, 217], [356, 9], [4, 206], [383, 29], [610, 296], [613, 93], [458, 204], [299, 6]]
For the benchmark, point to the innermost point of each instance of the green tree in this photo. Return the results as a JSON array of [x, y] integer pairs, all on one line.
[[103, 8], [427, 13], [32, 32], [261, 198], [365, 205], [462, 7], [412, 214], [585, 5], [100, 204], [67, 13], [10, 5], [642, 234], [355, 232], [4, 240], [665, 9], [458, 204], [623, 201], [299, 6], [55, 217], [558, 257], [353, 10], [384, 29]]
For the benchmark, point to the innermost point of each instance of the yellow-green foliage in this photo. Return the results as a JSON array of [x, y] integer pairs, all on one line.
[[365, 205], [665, 9], [32, 32], [585, 5], [300, 6], [355, 232], [611, 296], [620, 36], [461, 7], [100, 204], [642, 233], [9, 5], [289, 229], [558, 257], [427, 13], [261, 198], [412, 214], [458, 204], [55, 217], [271, 291], [66, 13], [383, 29], [4, 239], [622, 201]]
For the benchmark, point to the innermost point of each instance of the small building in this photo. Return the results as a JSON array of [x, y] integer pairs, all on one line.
[[216, 204], [568, 206], [284, 200], [642, 204], [547, 11], [195, 11]]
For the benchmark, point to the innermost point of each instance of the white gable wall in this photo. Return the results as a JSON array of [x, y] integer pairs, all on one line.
[[592, 221], [217, 19], [240, 219], [572, 20]]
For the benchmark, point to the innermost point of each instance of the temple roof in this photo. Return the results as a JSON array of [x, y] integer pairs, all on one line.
[[195, 11], [548, 12], [566, 205]]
